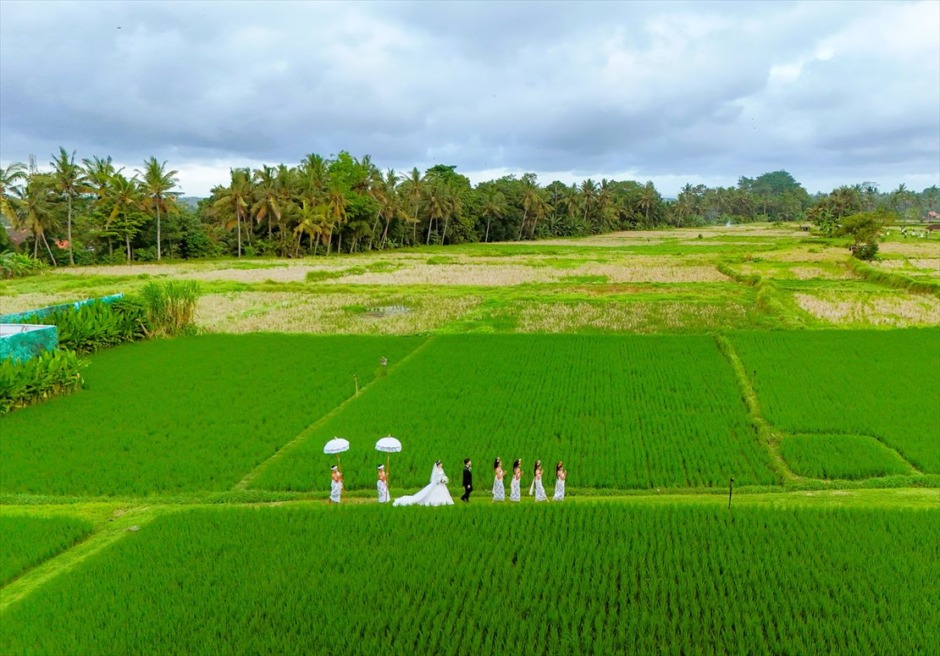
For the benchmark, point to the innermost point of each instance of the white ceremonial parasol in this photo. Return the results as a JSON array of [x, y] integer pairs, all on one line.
[[388, 445], [335, 447]]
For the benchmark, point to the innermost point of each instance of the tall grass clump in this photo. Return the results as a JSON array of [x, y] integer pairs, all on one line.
[[170, 306]]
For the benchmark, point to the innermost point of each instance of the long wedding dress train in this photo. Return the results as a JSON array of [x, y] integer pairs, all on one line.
[[433, 494]]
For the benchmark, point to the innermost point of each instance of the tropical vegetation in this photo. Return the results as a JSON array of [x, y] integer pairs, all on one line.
[[94, 212]]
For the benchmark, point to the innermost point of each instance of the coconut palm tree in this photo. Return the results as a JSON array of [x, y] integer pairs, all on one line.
[[588, 193], [127, 203], [540, 209], [266, 203], [10, 188], [530, 190], [70, 182], [312, 222], [385, 192], [234, 201], [494, 206], [336, 213], [155, 184], [33, 210], [412, 192], [437, 204], [647, 199]]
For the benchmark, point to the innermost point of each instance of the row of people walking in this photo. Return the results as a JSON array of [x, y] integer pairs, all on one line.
[[436, 492], [536, 488]]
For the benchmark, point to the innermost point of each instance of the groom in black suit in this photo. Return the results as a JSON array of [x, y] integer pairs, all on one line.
[[467, 480]]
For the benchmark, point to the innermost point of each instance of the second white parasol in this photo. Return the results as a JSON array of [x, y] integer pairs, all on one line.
[[388, 445]]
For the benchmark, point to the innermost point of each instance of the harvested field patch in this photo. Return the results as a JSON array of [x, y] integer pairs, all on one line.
[[898, 309], [333, 313], [634, 316]]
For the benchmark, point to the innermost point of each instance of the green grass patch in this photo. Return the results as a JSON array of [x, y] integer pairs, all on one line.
[[621, 411], [883, 384], [602, 578], [27, 541], [841, 457], [585, 280], [186, 414]]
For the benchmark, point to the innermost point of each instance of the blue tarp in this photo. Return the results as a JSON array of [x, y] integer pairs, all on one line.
[[26, 341]]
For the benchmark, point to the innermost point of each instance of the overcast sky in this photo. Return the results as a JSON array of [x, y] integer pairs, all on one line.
[[835, 93]]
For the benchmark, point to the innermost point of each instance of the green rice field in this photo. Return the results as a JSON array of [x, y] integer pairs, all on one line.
[[607, 579], [177, 503], [883, 384], [185, 414], [621, 412], [27, 541], [841, 456]]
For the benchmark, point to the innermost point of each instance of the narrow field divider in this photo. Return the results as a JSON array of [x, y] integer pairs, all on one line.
[[767, 436], [309, 430], [112, 531]]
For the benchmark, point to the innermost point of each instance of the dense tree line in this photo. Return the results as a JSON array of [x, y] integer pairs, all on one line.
[[91, 211]]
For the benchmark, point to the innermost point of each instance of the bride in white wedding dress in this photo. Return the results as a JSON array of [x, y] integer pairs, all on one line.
[[434, 494]]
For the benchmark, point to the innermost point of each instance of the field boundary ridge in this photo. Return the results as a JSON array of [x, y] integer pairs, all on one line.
[[112, 531], [305, 433]]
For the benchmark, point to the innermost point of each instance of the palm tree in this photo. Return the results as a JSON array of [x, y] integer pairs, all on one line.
[[494, 206], [288, 189], [70, 182], [234, 200], [335, 214], [539, 209], [98, 174], [389, 201], [647, 199], [10, 189], [314, 172], [34, 210], [157, 181], [529, 194], [127, 203], [267, 204], [312, 223], [588, 198], [434, 204], [413, 192]]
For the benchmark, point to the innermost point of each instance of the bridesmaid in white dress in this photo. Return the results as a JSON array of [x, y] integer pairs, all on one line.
[[515, 487], [336, 485], [499, 492], [382, 485], [537, 483], [560, 476]]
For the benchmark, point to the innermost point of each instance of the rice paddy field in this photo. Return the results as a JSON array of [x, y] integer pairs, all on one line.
[[622, 412], [177, 504]]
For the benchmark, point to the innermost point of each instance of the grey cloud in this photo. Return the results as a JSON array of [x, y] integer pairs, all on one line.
[[663, 89]]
